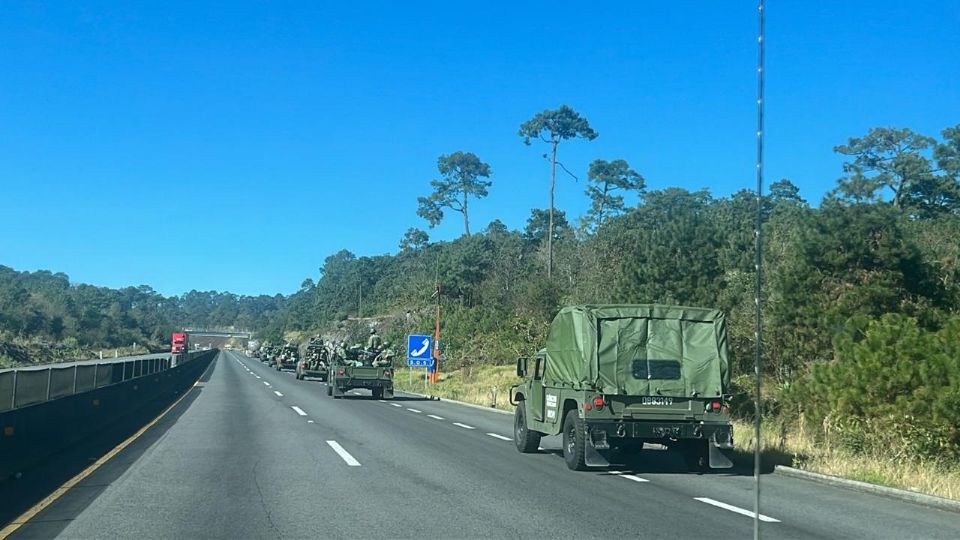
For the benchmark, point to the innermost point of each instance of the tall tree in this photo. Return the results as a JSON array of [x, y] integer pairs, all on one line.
[[551, 127], [605, 178], [460, 178], [414, 239], [884, 159]]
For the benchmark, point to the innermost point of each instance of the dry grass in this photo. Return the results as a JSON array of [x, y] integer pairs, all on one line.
[[801, 450], [483, 385]]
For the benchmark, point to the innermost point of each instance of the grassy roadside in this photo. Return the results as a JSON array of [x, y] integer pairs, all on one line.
[[490, 386]]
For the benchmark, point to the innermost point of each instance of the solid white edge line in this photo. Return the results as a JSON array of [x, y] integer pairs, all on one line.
[[464, 426], [278, 393], [498, 436], [414, 410], [435, 417], [298, 410], [735, 509], [344, 455]]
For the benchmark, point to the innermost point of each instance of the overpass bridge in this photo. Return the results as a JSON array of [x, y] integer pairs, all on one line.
[[220, 333]]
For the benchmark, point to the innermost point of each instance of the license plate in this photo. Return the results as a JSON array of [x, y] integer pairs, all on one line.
[[656, 401], [666, 431]]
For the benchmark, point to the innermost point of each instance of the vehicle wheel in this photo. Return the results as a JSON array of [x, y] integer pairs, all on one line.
[[329, 390], [377, 393], [527, 441], [574, 443]]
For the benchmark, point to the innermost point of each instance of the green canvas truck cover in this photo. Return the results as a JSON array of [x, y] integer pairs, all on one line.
[[646, 349]]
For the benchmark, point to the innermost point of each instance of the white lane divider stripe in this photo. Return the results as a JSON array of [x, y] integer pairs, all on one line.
[[396, 405], [257, 376], [736, 509], [622, 474], [278, 393], [414, 410], [464, 426], [298, 410], [351, 461], [435, 417], [266, 383], [498, 436]]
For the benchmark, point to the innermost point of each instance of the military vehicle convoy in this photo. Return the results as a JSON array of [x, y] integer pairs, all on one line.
[[370, 368], [613, 377], [316, 361]]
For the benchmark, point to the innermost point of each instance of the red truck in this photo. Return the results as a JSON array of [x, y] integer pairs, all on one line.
[[180, 343]]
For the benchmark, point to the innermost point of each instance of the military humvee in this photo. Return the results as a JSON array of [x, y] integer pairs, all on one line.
[[287, 357], [315, 363], [613, 377], [358, 368]]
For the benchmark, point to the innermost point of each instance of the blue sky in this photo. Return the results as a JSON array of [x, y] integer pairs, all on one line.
[[234, 145]]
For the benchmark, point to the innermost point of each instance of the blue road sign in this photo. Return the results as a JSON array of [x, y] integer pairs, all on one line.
[[420, 351]]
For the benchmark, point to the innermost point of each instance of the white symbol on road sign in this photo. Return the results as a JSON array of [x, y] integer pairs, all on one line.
[[419, 352]]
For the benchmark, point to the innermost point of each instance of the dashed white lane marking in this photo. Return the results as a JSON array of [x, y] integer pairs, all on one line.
[[414, 410], [396, 405], [464, 426], [257, 376], [351, 461], [278, 393], [435, 417], [382, 401], [628, 476], [501, 437], [266, 383], [310, 421], [298, 410], [736, 509]]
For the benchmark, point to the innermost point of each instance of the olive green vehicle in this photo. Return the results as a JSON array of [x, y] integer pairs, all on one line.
[[287, 358], [358, 368], [613, 377], [315, 362]]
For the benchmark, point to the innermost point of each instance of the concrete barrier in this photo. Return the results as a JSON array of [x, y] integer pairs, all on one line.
[[50, 409]]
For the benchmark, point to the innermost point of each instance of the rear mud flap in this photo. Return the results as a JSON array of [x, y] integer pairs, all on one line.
[[388, 393], [718, 458], [592, 457]]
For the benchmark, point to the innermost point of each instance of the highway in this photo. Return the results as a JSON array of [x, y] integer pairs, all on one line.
[[253, 453]]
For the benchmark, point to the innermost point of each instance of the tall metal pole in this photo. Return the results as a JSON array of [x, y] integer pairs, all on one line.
[[436, 332], [360, 302], [758, 268]]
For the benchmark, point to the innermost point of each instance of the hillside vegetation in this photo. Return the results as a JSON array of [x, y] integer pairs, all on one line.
[[45, 318]]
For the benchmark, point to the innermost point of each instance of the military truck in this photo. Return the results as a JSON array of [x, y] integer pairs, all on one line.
[[359, 368], [315, 362], [287, 357], [613, 377]]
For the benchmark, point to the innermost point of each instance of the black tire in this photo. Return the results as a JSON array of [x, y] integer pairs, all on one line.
[[574, 442], [329, 390], [377, 393], [527, 441]]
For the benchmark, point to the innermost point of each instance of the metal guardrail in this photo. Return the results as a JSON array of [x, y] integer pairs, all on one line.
[[28, 386]]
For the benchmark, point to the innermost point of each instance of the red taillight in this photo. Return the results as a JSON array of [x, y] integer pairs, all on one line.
[[386, 373], [587, 406], [340, 371], [715, 406], [598, 402]]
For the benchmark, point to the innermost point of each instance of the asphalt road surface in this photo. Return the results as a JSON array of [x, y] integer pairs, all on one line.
[[253, 453]]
